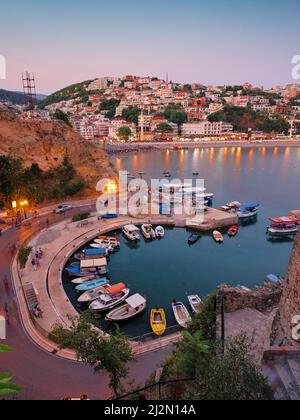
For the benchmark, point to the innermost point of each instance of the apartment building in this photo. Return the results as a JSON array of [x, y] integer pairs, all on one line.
[[205, 128]]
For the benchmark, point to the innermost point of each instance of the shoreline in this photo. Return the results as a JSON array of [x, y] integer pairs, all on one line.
[[181, 145]]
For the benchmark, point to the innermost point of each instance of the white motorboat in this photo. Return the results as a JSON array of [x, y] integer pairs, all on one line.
[[181, 314], [113, 296], [234, 205], [93, 294], [108, 248], [82, 280], [148, 231], [134, 306], [195, 303], [108, 240], [131, 232], [218, 237], [245, 214], [160, 232]]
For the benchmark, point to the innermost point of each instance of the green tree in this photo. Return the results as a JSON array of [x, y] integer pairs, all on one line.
[[6, 386], [110, 353], [164, 128], [187, 88], [124, 133], [62, 116], [205, 320], [131, 114], [109, 105]]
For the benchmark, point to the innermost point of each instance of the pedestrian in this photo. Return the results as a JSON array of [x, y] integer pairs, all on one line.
[[34, 265], [41, 253]]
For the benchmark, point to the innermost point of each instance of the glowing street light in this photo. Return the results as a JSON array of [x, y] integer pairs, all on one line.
[[24, 204]]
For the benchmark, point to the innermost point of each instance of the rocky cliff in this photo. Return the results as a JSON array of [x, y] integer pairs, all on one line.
[[47, 143]]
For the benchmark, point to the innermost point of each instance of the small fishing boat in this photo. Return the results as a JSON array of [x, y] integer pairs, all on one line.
[[81, 280], [109, 216], [112, 297], [233, 231], [134, 306], [107, 248], [283, 226], [131, 232], [158, 321], [88, 267], [160, 232], [90, 285], [234, 205], [194, 237], [195, 303], [111, 240], [93, 294], [148, 231], [108, 242], [218, 237], [181, 314], [248, 210], [91, 254]]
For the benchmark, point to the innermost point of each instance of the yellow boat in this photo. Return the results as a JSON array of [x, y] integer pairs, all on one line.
[[158, 321]]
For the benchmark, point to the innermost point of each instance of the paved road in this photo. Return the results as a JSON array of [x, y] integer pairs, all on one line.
[[44, 376]]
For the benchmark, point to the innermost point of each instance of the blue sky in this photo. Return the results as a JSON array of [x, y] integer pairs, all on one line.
[[212, 42]]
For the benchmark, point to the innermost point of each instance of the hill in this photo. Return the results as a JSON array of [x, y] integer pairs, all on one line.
[[70, 92], [46, 144], [15, 98]]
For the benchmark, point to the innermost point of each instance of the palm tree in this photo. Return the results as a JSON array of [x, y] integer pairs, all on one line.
[[6, 386]]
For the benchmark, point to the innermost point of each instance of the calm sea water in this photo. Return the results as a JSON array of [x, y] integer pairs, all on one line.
[[170, 269]]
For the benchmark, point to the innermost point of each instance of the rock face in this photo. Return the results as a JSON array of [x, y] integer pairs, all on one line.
[[290, 302], [47, 143]]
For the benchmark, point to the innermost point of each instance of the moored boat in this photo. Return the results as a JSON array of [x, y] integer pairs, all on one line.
[[218, 237], [233, 231], [91, 254], [160, 232], [93, 294], [248, 210], [148, 231], [181, 314], [158, 321], [283, 226], [195, 303], [88, 267], [234, 205], [131, 232], [193, 238], [112, 297], [81, 280], [90, 285], [134, 306]]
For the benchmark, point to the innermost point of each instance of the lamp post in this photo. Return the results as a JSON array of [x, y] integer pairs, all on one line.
[[24, 204]]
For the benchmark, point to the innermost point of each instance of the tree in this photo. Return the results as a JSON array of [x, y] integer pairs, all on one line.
[[205, 320], [109, 105], [124, 133], [187, 88], [131, 114], [62, 116], [109, 353], [6, 386], [164, 128]]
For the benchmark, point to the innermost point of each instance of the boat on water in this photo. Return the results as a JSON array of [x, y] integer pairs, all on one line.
[[233, 231], [148, 231], [248, 210], [88, 254], [110, 240], [91, 295], [181, 314], [234, 205], [218, 237], [90, 285], [194, 238], [195, 303], [160, 232], [112, 297], [158, 321], [107, 248], [134, 306], [283, 226], [131, 232], [85, 268], [81, 280]]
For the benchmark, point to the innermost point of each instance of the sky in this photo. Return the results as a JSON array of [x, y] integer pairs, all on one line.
[[204, 41]]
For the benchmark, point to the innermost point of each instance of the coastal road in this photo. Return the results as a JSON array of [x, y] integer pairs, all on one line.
[[43, 376]]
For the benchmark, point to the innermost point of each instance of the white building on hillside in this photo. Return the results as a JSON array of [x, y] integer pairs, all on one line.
[[205, 128]]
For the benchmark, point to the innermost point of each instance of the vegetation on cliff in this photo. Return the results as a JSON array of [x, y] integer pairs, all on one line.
[[74, 91]]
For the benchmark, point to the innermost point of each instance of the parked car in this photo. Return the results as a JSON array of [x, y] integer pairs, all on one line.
[[63, 208]]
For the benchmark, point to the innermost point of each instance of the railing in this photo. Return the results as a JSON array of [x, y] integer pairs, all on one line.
[[157, 388], [151, 336]]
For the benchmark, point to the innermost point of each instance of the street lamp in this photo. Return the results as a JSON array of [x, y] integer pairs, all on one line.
[[24, 204]]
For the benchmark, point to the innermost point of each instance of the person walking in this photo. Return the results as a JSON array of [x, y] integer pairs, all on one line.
[[34, 264]]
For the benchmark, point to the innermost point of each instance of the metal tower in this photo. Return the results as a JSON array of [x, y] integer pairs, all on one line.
[[29, 90]]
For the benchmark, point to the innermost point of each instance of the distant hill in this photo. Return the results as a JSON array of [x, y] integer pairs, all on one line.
[[16, 98], [78, 90]]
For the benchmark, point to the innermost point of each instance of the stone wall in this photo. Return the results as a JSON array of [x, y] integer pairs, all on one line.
[[263, 299], [290, 302]]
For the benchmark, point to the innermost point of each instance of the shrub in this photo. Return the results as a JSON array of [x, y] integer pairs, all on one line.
[[81, 216], [24, 255]]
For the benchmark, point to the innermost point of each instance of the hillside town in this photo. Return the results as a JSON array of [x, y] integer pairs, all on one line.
[[149, 109]]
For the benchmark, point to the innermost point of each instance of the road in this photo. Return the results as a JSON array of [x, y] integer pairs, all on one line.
[[43, 376]]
